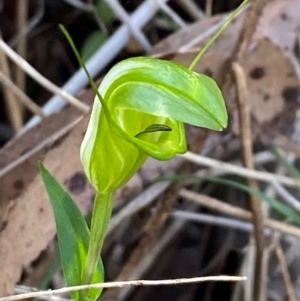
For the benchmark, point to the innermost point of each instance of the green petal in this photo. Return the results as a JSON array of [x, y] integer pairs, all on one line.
[[164, 88]]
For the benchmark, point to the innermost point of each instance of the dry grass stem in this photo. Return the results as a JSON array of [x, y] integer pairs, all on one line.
[[285, 272], [251, 22], [122, 15], [22, 289], [246, 141], [209, 8], [192, 9], [22, 97], [47, 84], [241, 171], [21, 49], [171, 13], [212, 220], [288, 198], [32, 22], [12, 106], [237, 212], [178, 281], [87, 7]]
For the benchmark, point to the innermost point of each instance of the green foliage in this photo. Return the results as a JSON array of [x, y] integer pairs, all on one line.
[[97, 38], [73, 236], [92, 43], [104, 12], [289, 167]]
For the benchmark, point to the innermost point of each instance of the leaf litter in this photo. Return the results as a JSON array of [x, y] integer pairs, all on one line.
[[26, 220]]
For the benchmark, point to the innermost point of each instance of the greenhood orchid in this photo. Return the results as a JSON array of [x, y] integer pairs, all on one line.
[[144, 103], [139, 111]]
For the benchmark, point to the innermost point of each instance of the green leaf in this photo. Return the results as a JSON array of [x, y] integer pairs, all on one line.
[[288, 165], [72, 234], [105, 13], [92, 43]]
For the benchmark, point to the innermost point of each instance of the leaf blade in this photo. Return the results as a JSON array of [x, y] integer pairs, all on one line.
[[72, 233]]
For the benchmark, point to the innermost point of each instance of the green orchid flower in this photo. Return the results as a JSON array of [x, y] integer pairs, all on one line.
[[144, 103]]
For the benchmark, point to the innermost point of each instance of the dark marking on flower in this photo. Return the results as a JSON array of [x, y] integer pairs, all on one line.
[[77, 183], [257, 73], [18, 184], [291, 93]]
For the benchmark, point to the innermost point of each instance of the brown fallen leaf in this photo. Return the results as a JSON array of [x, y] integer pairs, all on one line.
[[29, 224]]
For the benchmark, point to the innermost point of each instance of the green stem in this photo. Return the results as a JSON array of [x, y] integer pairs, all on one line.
[[100, 218], [216, 35]]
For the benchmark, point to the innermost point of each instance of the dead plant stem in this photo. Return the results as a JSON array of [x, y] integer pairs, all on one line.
[[285, 272], [255, 204], [237, 212], [10, 98], [21, 49]]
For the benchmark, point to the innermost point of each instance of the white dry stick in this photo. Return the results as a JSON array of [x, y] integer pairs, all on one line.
[[239, 170], [43, 81], [87, 7], [288, 198], [192, 9], [209, 219], [171, 13], [22, 289], [123, 16], [179, 281], [140, 17]]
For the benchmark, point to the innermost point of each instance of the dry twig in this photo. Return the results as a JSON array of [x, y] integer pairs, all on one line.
[[237, 212], [24, 99], [41, 79], [285, 271], [21, 49], [266, 177], [255, 204], [179, 281], [10, 98]]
